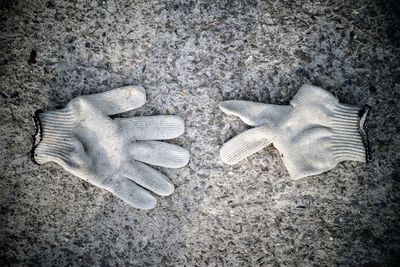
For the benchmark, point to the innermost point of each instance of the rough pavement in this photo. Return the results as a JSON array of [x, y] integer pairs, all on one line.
[[189, 55]]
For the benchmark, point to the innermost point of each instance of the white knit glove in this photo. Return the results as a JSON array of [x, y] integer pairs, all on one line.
[[312, 134], [110, 153]]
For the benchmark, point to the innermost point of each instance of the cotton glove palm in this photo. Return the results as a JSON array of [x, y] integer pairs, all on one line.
[[312, 134], [110, 153]]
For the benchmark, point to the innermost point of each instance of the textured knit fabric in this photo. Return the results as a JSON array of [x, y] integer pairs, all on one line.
[[110, 153], [312, 134]]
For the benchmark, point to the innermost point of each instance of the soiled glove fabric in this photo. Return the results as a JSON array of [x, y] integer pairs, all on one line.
[[312, 134], [111, 153]]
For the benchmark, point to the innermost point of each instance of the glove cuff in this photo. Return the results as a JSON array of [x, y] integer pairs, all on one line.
[[350, 140], [53, 140]]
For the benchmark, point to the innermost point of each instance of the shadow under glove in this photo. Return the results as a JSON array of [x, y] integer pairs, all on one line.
[[313, 134], [110, 153]]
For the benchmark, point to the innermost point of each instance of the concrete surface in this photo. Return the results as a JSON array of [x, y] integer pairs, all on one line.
[[189, 55]]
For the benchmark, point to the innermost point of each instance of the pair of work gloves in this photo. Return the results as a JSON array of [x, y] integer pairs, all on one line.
[[313, 134]]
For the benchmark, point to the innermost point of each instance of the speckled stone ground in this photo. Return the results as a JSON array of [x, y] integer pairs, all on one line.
[[189, 55]]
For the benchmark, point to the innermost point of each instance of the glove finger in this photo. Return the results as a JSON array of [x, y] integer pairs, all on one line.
[[117, 100], [133, 194], [253, 113], [309, 94], [244, 145], [160, 127], [159, 154], [149, 178]]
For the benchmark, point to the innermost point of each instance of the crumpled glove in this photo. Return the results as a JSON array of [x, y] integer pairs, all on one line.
[[111, 153], [313, 134]]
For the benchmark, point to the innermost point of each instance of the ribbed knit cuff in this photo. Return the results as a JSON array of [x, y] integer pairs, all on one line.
[[350, 140], [53, 140]]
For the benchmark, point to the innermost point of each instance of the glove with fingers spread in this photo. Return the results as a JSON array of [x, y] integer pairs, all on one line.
[[313, 134], [110, 153]]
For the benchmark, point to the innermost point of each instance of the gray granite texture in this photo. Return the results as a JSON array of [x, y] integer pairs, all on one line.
[[189, 55]]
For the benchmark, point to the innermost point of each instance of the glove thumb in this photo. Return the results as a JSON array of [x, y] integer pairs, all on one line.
[[244, 145]]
